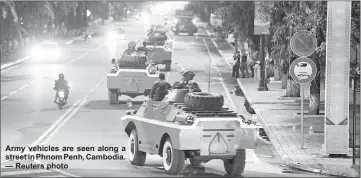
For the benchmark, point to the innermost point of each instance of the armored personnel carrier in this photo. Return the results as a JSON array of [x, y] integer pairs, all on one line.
[[132, 75], [188, 125]]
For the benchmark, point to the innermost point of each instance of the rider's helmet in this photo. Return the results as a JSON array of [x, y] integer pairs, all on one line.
[[61, 76]]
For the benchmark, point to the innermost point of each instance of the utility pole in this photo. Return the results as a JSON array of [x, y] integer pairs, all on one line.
[[262, 82]]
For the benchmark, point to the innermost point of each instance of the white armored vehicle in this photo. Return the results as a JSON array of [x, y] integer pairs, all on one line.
[[188, 124], [132, 75]]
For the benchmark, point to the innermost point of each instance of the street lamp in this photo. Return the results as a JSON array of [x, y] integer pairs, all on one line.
[[355, 76]]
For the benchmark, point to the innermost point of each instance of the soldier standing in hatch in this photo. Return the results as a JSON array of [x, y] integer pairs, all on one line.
[[160, 89]]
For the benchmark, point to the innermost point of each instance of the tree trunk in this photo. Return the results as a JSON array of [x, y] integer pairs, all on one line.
[[314, 105], [284, 80], [277, 72], [293, 89]]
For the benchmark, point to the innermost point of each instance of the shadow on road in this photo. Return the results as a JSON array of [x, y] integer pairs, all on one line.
[[104, 105]]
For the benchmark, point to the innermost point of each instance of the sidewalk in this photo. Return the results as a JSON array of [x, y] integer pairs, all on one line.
[[283, 128]]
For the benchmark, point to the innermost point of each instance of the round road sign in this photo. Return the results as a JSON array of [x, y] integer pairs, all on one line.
[[303, 70], [303, 43]]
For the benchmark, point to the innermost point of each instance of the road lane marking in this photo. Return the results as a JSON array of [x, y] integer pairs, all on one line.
[[23, 87], [96, 86], [13, 173], [63, 121], [81, 56], [3, 97], [250, 152], [55, 124], [13, 92], [91, 90], [32, 81]]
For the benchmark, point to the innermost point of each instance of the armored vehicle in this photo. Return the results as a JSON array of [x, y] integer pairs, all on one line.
[[163, 55], [188, 124], [157, 34], [184, 25], [132, 75]]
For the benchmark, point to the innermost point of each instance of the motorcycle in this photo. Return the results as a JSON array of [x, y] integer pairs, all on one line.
[[61, 99]]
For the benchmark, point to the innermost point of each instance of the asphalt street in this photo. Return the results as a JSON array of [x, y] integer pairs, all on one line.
[[29, 117]]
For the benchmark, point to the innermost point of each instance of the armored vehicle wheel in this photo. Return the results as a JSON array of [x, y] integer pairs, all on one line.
[[195, 162], [168, 66], [113, 96], [173, 160], [203, 100], [235, 166], [136, 157]]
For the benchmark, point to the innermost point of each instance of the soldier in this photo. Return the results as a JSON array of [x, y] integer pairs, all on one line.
[[160, 89], [186, 84]]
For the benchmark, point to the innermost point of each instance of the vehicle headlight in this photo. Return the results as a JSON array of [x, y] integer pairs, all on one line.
[[194, 20]]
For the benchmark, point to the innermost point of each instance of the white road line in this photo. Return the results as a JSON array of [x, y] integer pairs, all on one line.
[[23, 87], [32, 81], [13, 92], [54, 125], [97, 85], [13, 173], [63, 121], [91, 90], [3, 97], [85, 97], [250, 152], [81, 56]]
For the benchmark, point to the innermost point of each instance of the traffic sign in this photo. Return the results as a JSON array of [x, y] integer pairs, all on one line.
[[303, 70], [303, 43]]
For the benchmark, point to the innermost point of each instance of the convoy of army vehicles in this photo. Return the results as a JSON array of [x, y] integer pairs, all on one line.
[[186, 124]]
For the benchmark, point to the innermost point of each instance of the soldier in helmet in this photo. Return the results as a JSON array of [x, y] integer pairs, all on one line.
[[187, 76], [160, 89]]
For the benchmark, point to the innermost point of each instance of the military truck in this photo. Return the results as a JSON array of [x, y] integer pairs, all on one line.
[[188, 125], [133, 75]]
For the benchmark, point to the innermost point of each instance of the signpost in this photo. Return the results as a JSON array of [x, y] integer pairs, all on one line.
[[303, 70]]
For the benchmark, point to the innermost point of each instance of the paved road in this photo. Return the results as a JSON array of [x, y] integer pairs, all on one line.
[[29, 116]]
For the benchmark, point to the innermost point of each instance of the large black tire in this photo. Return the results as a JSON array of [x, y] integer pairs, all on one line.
[[133, 60], [136, 157], [113, 96], [203, 100], [168, 66], [235, 166], [175, 163]]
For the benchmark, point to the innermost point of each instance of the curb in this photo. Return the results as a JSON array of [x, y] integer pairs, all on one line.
[[271, 135]]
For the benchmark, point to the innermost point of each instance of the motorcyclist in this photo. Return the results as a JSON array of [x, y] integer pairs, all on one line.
[[187, 76], [61, 84], [160, 89]]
